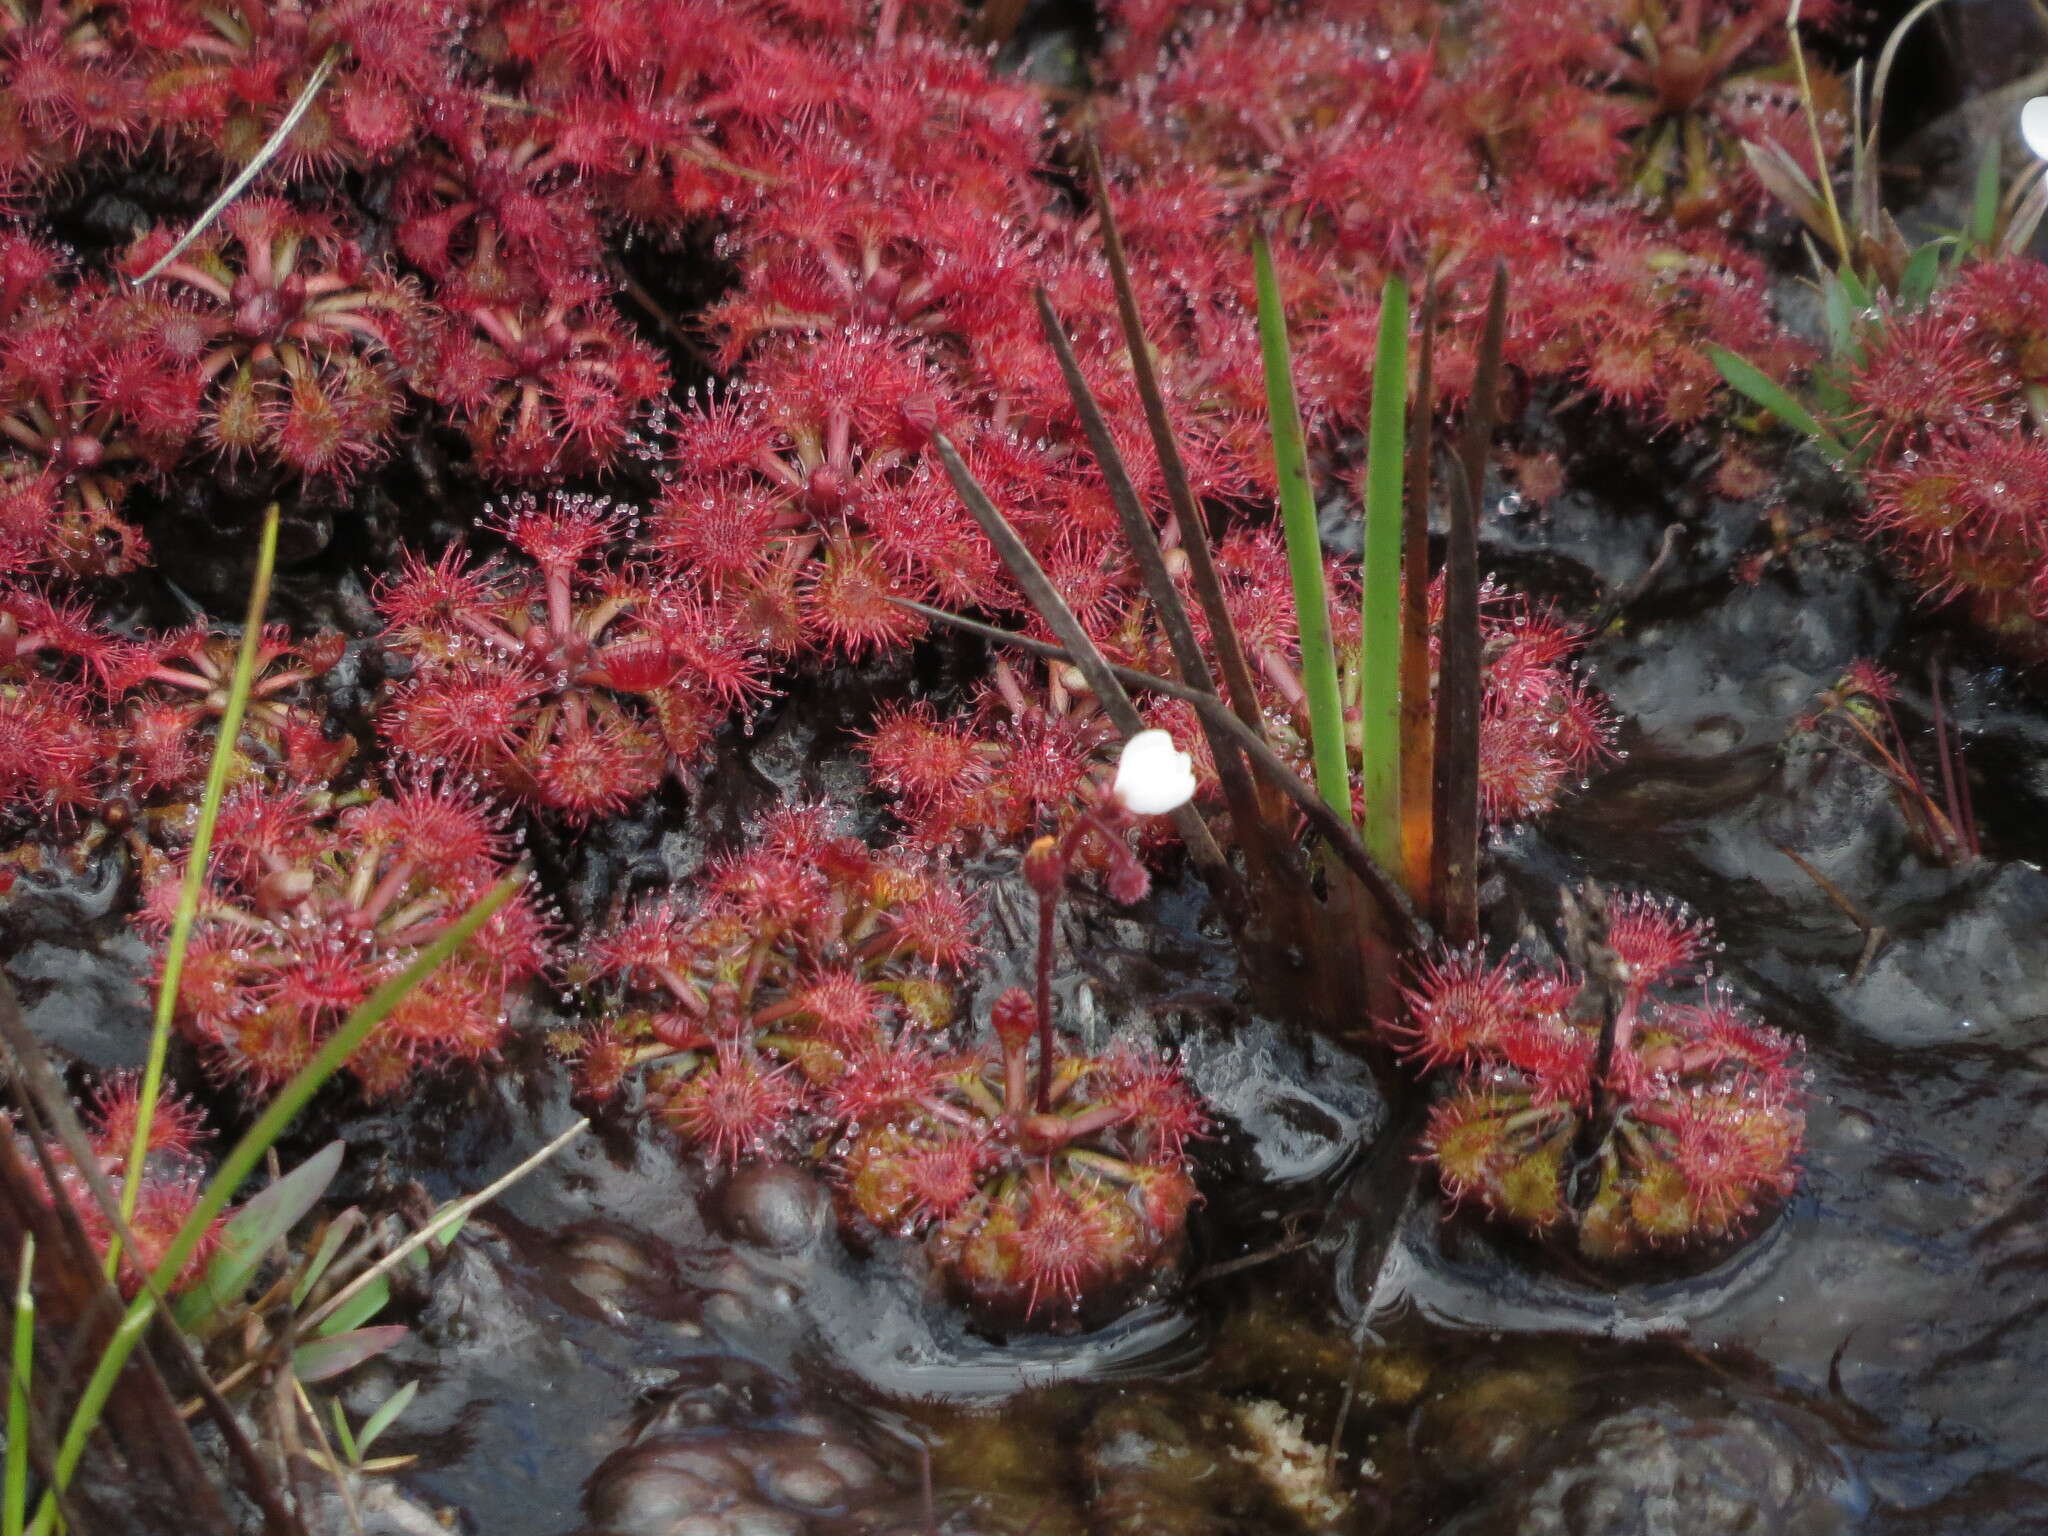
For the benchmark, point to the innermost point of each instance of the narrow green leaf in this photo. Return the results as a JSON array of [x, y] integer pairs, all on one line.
[[358, 1309], [322, 1359], [1984, 199], [236, 1168], [226, 744], [1379, 660], [439, 1232], [386, 1415], [250, 1233], [1746, 379], [337, 1232], [1922, 272], [1304, 544], [1858, 291], [343, 1435], [1831, 400], [1844, 344], [21, 1369]]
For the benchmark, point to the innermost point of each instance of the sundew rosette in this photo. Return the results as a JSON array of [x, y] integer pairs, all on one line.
[[802, 959], [309, 906], [1691, 1131], [1051, 1214]]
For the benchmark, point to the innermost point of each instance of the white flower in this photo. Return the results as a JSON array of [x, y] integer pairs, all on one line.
[[2034, 126], [1153, 776]]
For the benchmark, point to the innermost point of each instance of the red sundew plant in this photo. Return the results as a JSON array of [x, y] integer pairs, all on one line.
[[1628, 309], [1919, 378], [1032, 748], [569, 682], [218, 78], [307, 909], [171, 1180], [839, 247], [1065, 1179], [498, 193], [1064, 1200], [57, 671], [111, 736], [1938, 408], [808, 963], [1966, 517], [90, 403], [543, 389], [167, 727], [1683, 1130], [53, 754], [42, 635], [807, 497], [1540, 729], [1686, 85], [303, 345], [1363, 147], [64, 88]]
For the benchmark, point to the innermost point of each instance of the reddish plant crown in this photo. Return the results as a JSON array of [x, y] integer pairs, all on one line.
[[567, 679], [1695, 1121], [807, 959], [307, 910], [1025, 1209], [171, 1181]]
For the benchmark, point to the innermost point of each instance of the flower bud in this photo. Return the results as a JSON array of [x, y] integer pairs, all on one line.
[[1015, 1019], [1153, 776], [1127, 882], [1044, 868]]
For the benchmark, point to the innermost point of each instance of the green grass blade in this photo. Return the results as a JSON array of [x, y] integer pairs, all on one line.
[[251, 1234], [1984, 199], [1840, 314], [1922, 272], [21, 1366], [337, 1232], [386, 1415], [1304, 545], [361, 1307], [1751, 382], [1379, 660], [224, 750], [243, 1161], [1858, 290], [343, 1435]]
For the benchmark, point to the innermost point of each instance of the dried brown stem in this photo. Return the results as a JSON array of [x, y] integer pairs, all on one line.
[[36, 1081], [1411, 929], [1239, 793], [1454, 852], [1083, 653], [1194, 531]]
